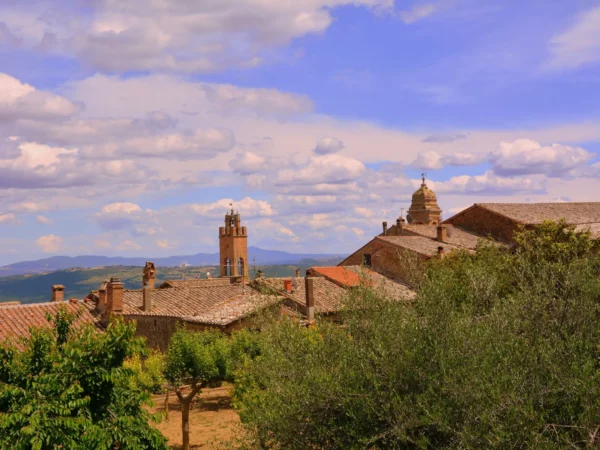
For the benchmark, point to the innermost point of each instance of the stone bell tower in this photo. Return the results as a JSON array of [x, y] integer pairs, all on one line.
[[233, 247], [424, 209]]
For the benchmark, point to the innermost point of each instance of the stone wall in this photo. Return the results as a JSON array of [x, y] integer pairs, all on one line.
[[389, 260], [485, 222]]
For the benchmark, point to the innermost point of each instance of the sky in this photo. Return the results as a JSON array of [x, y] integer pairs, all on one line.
[[128, 127]]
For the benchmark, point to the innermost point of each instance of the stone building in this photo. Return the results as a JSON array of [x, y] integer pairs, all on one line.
[[501, 220], [424, 209]]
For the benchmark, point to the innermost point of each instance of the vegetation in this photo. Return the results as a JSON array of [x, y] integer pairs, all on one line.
[[499, 350], [67, 387], [195, 360]]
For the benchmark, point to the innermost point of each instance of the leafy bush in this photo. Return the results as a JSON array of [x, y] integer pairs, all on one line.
[[68, 388], [499, 350]]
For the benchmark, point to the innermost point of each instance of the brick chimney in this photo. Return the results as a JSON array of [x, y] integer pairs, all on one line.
[[58, 293], [114, 296], [442, 233], [147, 298], [310, 298], [101, 306], [440, 252], [297, 273]]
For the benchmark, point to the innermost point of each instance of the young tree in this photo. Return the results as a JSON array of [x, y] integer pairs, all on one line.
[[198, 360], [66, 387]]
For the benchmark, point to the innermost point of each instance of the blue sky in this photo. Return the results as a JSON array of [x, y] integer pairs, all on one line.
[[127, 128]]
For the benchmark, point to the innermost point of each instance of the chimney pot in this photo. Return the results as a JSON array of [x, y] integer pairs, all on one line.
[[58, 293], [287, 285], [440, 251], [385, 228]]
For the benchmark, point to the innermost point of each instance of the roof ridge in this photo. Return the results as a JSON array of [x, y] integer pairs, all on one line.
[[21, 305]]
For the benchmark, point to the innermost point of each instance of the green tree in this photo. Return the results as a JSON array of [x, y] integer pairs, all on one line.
[[197, 360], [66, 387], [499, 350]]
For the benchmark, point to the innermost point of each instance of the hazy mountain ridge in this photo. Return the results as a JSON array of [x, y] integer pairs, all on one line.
[[256, 256]]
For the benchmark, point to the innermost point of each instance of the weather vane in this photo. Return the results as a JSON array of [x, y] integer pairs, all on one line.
[[423, 175]]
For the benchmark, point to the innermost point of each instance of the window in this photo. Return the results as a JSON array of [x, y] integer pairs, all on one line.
[[367, 259]]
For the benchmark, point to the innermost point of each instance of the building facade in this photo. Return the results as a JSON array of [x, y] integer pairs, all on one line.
[[233, 247]]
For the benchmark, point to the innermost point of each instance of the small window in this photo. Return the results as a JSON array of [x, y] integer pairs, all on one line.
[[367, 259]]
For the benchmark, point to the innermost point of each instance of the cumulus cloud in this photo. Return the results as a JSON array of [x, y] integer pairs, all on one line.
[[489, 184], [433, 160], [327, 169], [49, 243], [121, 215], [248, 207], [248, 163], [417, 13], [526, 156], [163, 35], [43, 220], [21, 101], [444, 138], [7, 218], [579, 45], [328, 145]]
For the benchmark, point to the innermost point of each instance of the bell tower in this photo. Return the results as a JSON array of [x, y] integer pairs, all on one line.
[[233, 247]]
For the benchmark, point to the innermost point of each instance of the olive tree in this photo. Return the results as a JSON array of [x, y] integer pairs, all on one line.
[[195, 360]]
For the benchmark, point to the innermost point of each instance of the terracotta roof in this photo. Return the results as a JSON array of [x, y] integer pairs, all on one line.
[[418, 244], [593, 228], [328, 295], [194, 282], [3, 304], [16, 320], [339, 275], [213, 305], [394, 289], [535, 213], [456, 236]]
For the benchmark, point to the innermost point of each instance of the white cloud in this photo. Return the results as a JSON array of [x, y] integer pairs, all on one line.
[[128, 245], [247, 207], [7, 218], [526, 156], [328, 145], [488, 184], [578, 45], [165, 244], [121, 215], [248, 163], [327, 169], [49, 243], [191, 36], [102, 244], [22, 101], [43, 220], [417, 13], [433, 160], [428, 161]]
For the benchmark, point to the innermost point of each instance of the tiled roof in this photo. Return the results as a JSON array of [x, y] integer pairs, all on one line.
[[418, 244], [535, 213], [392, 288], [16, 320], [339, 275], [214, 305], [593, 228], [193, 282], [456, 236], [328, 295]]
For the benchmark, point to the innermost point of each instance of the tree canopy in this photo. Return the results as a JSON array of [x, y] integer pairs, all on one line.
[[500, 349], [67, 388]]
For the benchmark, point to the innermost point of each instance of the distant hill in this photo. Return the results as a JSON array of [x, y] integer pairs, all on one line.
[[255, 254], [78, 283]]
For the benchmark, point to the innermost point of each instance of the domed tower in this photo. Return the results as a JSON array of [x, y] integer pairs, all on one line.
[[424, 209], [233, 246]]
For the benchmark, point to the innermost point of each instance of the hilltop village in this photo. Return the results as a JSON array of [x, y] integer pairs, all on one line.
[[228, 301]]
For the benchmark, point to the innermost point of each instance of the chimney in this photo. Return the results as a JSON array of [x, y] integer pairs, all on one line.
[[442, 233], [297, 273], [101, 306], [287, 285], [385, 228], [440, 252], [58, 293], [149, 274], [147, 298], [114, 296], [310, 298], [400, 226]]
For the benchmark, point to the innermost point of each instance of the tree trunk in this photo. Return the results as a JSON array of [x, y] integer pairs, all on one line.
[[167, 404], [185, 423]]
